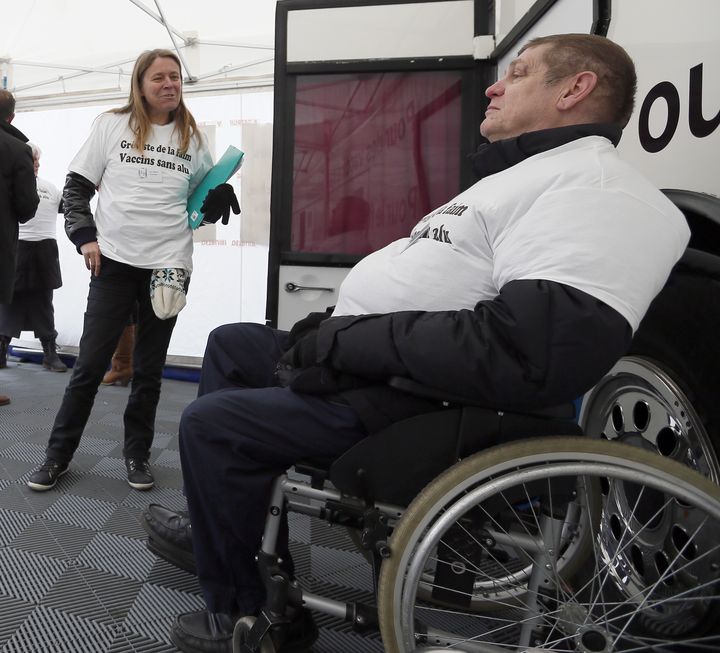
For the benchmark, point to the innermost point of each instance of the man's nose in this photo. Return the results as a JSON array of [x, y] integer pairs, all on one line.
[[495, 89]]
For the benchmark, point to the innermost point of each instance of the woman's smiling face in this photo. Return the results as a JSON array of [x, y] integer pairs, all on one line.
[[162, 89]]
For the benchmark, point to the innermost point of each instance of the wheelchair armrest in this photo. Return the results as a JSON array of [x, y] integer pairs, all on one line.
[[564, 411]]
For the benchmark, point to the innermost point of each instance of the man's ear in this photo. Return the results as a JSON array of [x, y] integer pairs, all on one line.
[[577, 88]]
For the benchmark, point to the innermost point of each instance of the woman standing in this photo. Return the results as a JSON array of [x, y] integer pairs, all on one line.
[[37, 274], [145, 158]]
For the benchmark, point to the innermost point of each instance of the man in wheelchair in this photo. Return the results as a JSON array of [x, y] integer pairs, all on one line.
[[518, 294]]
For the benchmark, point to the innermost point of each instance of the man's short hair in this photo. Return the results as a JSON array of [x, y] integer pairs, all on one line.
[[7, 104], [568, 54]]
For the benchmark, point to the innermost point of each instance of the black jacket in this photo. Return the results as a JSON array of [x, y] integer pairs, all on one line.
[[18, 200], [537, 344]]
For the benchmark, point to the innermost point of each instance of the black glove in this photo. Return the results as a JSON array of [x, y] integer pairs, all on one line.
[[315, 379], [303, 353], [311, 322], [298, 369], [302, 348], [217, 203]]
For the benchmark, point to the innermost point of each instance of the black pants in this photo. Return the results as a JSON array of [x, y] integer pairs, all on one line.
[[235, 439], [111, 299], [29, 310]]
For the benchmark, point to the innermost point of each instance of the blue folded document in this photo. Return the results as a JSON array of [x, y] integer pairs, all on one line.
[[225, 168]]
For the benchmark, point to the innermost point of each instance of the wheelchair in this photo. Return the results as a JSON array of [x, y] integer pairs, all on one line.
[[513, 532]]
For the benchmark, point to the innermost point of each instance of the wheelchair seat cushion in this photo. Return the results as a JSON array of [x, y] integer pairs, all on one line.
[[394, 464]]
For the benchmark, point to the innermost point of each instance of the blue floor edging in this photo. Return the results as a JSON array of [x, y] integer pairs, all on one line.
[[169, 372]]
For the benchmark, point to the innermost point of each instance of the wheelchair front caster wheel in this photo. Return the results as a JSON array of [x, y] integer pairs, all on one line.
[[240, 633]]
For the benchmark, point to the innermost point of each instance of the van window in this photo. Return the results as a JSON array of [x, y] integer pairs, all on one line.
[[374, 152]]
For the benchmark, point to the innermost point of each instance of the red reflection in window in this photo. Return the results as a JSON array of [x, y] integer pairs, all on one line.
[[373, 154]]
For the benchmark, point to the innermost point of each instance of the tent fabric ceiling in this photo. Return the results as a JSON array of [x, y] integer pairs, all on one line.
[[58, 52]]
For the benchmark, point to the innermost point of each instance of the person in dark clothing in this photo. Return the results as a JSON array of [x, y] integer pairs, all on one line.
[[518, 294], [37, 275], [18, 201]]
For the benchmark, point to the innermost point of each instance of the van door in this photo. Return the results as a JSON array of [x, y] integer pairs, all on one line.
[[373, 125]]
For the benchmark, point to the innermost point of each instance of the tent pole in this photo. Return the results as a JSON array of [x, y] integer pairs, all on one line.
[[159, 19], [190, 77]]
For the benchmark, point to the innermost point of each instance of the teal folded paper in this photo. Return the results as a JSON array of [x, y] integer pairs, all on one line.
[[225, 168]]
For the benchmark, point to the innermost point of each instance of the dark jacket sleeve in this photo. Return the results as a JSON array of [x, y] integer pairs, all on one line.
[[538, 343], [79, 221], [24, 195]]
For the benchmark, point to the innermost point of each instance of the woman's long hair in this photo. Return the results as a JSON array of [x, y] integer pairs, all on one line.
[[136, 105]]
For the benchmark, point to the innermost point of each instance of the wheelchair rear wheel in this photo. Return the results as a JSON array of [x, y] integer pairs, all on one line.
[[504, 577], [640, 401], [650, 584]]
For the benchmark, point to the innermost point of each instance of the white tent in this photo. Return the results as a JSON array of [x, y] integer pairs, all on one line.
[[68, 60], [77, 51]]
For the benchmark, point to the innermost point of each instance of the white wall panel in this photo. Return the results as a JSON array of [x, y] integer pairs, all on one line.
[[425, 29]]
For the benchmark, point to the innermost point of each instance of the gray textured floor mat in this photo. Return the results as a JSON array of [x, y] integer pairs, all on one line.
[[75, 573]]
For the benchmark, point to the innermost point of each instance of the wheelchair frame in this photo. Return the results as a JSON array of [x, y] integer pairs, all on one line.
[[547, 547]]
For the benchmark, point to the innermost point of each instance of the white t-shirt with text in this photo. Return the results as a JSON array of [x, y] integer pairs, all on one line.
[[576, 214], [43, 225], [141, 214]]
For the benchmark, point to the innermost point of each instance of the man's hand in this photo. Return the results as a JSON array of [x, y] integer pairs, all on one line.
[[218, 203], [91, 254], [299, 369]]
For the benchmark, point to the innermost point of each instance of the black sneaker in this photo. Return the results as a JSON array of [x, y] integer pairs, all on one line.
[[46, 476], [139, 474]]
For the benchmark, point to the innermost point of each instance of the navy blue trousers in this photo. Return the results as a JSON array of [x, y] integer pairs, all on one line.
[[239, 435], [111, 298]]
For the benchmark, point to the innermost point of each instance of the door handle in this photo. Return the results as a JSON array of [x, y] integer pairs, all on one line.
[[293, 287]]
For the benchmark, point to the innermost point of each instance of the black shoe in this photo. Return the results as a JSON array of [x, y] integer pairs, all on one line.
[[170, 536], [203, 632], [139, 474], [46, 476], [54, 363], [51, 361]]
